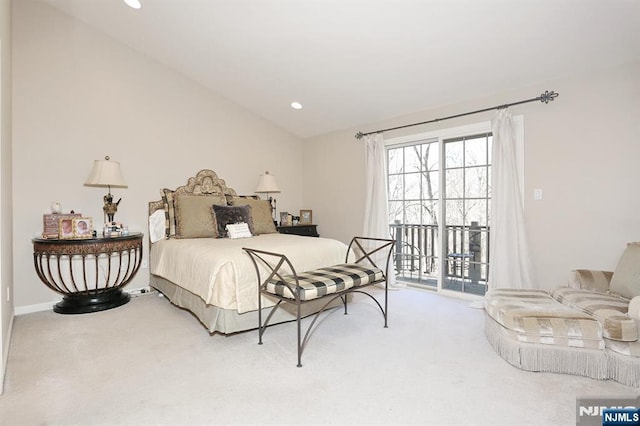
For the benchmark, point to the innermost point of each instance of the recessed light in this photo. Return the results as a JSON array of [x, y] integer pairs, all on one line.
[[133, 3], [296, 105]]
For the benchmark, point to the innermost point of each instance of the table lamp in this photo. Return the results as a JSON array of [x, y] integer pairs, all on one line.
[[267, 184], [107, 173]]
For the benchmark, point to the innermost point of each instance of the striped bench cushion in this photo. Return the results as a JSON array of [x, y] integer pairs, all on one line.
[[533, 316], [610, 310], [324, 281]]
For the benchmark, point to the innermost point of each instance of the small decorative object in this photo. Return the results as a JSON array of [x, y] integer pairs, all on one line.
[[51, 224], [284, 219], [56, 208], [107, 173], [306, 217], [114, 229], [83, 227], [296, 220], [66, 228]]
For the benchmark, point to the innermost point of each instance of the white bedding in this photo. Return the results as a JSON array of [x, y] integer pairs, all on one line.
[[222, 274]]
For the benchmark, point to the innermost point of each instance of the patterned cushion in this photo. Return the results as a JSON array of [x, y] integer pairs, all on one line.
[[610, 310], [232, 197], [323, 281], [169, 211], [260, 213], [193, 215], [587, 279], [533, 316], [232, 214], [626, 277], [631, 349]]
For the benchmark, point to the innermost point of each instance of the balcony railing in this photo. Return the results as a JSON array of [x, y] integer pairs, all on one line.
[[466, 256]]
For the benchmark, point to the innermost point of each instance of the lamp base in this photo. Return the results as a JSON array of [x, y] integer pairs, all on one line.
[[110, 208]]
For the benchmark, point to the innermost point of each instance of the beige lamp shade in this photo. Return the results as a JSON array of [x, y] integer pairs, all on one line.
[[106, 173], [267, 183]]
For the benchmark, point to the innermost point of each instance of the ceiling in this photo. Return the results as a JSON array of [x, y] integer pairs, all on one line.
[[352, 62]]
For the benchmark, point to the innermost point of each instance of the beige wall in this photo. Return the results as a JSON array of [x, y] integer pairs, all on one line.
[[79, 95], [6, 222], [581, 150]]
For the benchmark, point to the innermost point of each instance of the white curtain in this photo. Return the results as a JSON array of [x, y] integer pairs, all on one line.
[[376, 211], [509, 260]]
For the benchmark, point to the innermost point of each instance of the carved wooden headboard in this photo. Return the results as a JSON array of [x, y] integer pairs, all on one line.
[[204, 182]]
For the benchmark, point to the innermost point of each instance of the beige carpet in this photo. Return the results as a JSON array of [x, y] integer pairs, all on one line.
[[149, 362]]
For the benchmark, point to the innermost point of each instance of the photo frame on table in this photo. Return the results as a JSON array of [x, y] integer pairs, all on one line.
[[306, 217], [65, 228], [284, 219], [83, 227]]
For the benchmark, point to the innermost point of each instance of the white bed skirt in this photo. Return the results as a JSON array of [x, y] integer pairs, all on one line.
[[227, 321]]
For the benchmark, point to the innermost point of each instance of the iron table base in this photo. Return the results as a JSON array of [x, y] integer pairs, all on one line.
[[86, 303]]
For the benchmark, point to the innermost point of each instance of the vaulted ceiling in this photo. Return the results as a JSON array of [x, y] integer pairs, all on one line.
[[352, 62]]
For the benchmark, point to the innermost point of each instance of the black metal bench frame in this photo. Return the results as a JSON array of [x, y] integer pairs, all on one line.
[[360, 249]]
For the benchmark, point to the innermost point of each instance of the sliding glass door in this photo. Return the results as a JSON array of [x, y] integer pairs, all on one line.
[[439, 198], [467, 193]]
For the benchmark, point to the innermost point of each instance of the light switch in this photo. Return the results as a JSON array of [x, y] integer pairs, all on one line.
[[537, 194]]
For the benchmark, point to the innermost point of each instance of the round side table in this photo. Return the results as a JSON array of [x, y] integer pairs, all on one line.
[[90, 273]]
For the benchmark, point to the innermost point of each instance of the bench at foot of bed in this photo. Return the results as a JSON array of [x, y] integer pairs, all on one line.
[[277, 278]]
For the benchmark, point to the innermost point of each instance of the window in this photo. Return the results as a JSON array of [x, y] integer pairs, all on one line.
[[439, 185]]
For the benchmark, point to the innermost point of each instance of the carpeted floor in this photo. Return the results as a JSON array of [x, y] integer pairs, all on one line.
[[149, 362]]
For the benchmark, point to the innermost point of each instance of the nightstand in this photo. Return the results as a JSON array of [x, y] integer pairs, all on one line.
[[90, 273], [304, 230]]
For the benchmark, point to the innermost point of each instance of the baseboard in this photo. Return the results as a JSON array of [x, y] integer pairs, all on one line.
[[5, 355], [29, 309]]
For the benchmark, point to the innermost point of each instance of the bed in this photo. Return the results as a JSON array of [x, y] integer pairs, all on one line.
[[198, 266]]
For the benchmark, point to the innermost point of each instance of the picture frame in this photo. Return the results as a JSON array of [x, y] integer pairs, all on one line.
[[65, 228], [284, 219], [83, 227], [306, 217]]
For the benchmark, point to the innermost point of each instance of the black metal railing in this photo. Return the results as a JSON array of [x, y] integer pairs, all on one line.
[[466, 255]]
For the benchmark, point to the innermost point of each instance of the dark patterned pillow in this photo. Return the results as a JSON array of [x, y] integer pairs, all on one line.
[[232, 214]]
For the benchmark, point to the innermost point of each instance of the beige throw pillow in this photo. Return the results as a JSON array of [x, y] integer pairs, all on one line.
[[626, 277], [194, 218], [260, 213]]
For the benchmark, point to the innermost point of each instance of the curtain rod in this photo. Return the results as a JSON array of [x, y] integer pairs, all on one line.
[[545, 97]]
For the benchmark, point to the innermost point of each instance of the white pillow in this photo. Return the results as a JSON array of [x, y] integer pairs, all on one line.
[[626, 277], [634, 308], [238, 230], [156, 226]]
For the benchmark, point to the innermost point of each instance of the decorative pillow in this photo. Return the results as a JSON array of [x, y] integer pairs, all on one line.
[[261, 214], [194, 218], [634, 308], [169, 211], [238, 230], [157, 226], [230, 198], [626, 277], [232, 214], [589, 279]]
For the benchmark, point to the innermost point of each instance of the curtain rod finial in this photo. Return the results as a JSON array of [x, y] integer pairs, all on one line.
[[548, 96], [359, 135]]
